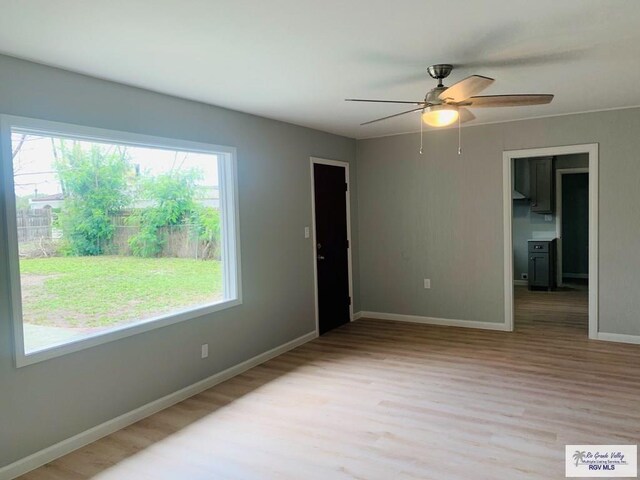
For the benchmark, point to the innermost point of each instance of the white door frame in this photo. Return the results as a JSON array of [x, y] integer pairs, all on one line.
[[559, 174], [507, 166], [345, 165]]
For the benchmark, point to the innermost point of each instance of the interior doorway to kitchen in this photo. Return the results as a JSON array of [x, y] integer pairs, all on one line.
[[551, 241]]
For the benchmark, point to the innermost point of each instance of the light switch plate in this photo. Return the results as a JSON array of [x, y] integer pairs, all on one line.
[[306, 232], [427, 283], [205, 350]]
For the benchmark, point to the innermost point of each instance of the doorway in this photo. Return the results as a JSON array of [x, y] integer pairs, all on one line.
[[544, 242], [572, 225], [331, 243]]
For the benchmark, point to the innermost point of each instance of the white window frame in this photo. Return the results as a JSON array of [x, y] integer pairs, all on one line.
[[227, 165]]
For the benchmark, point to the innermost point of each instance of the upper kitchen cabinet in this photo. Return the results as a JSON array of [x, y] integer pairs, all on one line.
[[541, 178]]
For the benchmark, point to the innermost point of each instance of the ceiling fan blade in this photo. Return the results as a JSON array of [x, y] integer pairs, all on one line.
[[465, 88], [465, 115], [384, 101], [391, 116], [508, 100]]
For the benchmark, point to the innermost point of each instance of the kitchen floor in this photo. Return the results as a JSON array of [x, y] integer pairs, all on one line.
[[565, 310]]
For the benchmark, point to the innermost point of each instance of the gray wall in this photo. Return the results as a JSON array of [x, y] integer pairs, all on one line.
[[439, 216], [527, 225], [576, 160], [44, 403]]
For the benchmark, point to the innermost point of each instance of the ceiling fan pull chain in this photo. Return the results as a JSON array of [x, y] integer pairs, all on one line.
[[420, 135], [459, 137]]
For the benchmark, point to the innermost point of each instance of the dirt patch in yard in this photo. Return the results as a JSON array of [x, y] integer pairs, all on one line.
[[33, 285]]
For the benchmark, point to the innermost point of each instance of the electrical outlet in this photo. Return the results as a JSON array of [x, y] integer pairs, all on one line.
[[427, 283], [548, 218], [204, 351], [306, 232], [524, 276]]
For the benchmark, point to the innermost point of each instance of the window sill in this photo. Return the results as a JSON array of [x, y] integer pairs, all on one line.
[[37, 356]]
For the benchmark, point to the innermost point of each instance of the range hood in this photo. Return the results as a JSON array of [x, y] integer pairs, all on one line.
[[520, 179]]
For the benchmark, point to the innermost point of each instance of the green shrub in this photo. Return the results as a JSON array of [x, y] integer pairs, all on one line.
[[94, 181], [173, 203], [207, 222]]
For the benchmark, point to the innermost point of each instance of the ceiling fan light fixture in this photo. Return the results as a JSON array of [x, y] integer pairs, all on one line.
[[440, 115]]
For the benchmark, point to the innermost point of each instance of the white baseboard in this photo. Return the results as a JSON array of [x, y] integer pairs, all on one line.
[[521, 282], [67, 446], [357, 316], [446, 322], [618, 337]]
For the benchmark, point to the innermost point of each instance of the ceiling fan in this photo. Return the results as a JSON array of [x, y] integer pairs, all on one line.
[[444, 105]]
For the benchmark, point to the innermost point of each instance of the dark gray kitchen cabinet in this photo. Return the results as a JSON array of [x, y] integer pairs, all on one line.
[[542, 183], [542, 264]]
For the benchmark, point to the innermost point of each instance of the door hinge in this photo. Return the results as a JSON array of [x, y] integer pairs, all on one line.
[[349, 301], [346, 187], [347, 243]]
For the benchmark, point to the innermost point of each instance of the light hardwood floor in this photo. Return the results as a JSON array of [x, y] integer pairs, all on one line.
[[385, 400]]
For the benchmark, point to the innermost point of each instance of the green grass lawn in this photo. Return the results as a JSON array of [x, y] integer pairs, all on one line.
[[88, 292]]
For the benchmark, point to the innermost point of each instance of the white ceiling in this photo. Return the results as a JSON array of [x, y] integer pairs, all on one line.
[[296, 60]]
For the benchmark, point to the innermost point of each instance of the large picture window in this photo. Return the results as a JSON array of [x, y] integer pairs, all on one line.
[[111, 234]]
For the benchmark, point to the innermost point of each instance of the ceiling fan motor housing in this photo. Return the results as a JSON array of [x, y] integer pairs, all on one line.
[[432, 95], [440, 70]]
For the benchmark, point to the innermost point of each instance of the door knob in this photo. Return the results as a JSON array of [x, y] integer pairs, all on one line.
[[320, 257]]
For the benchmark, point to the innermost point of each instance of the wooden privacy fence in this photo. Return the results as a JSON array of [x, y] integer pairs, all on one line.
[[178, 241], [34, 225], [181, 241]]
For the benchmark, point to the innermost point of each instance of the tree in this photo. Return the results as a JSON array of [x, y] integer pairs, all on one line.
[[21, 138], [172, 196], [94, 179], [22, 203], [207, 221]]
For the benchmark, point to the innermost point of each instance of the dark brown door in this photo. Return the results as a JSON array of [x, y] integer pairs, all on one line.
[[332, 248]]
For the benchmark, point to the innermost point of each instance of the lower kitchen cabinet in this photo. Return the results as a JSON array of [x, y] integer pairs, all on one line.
[[542, 264]]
